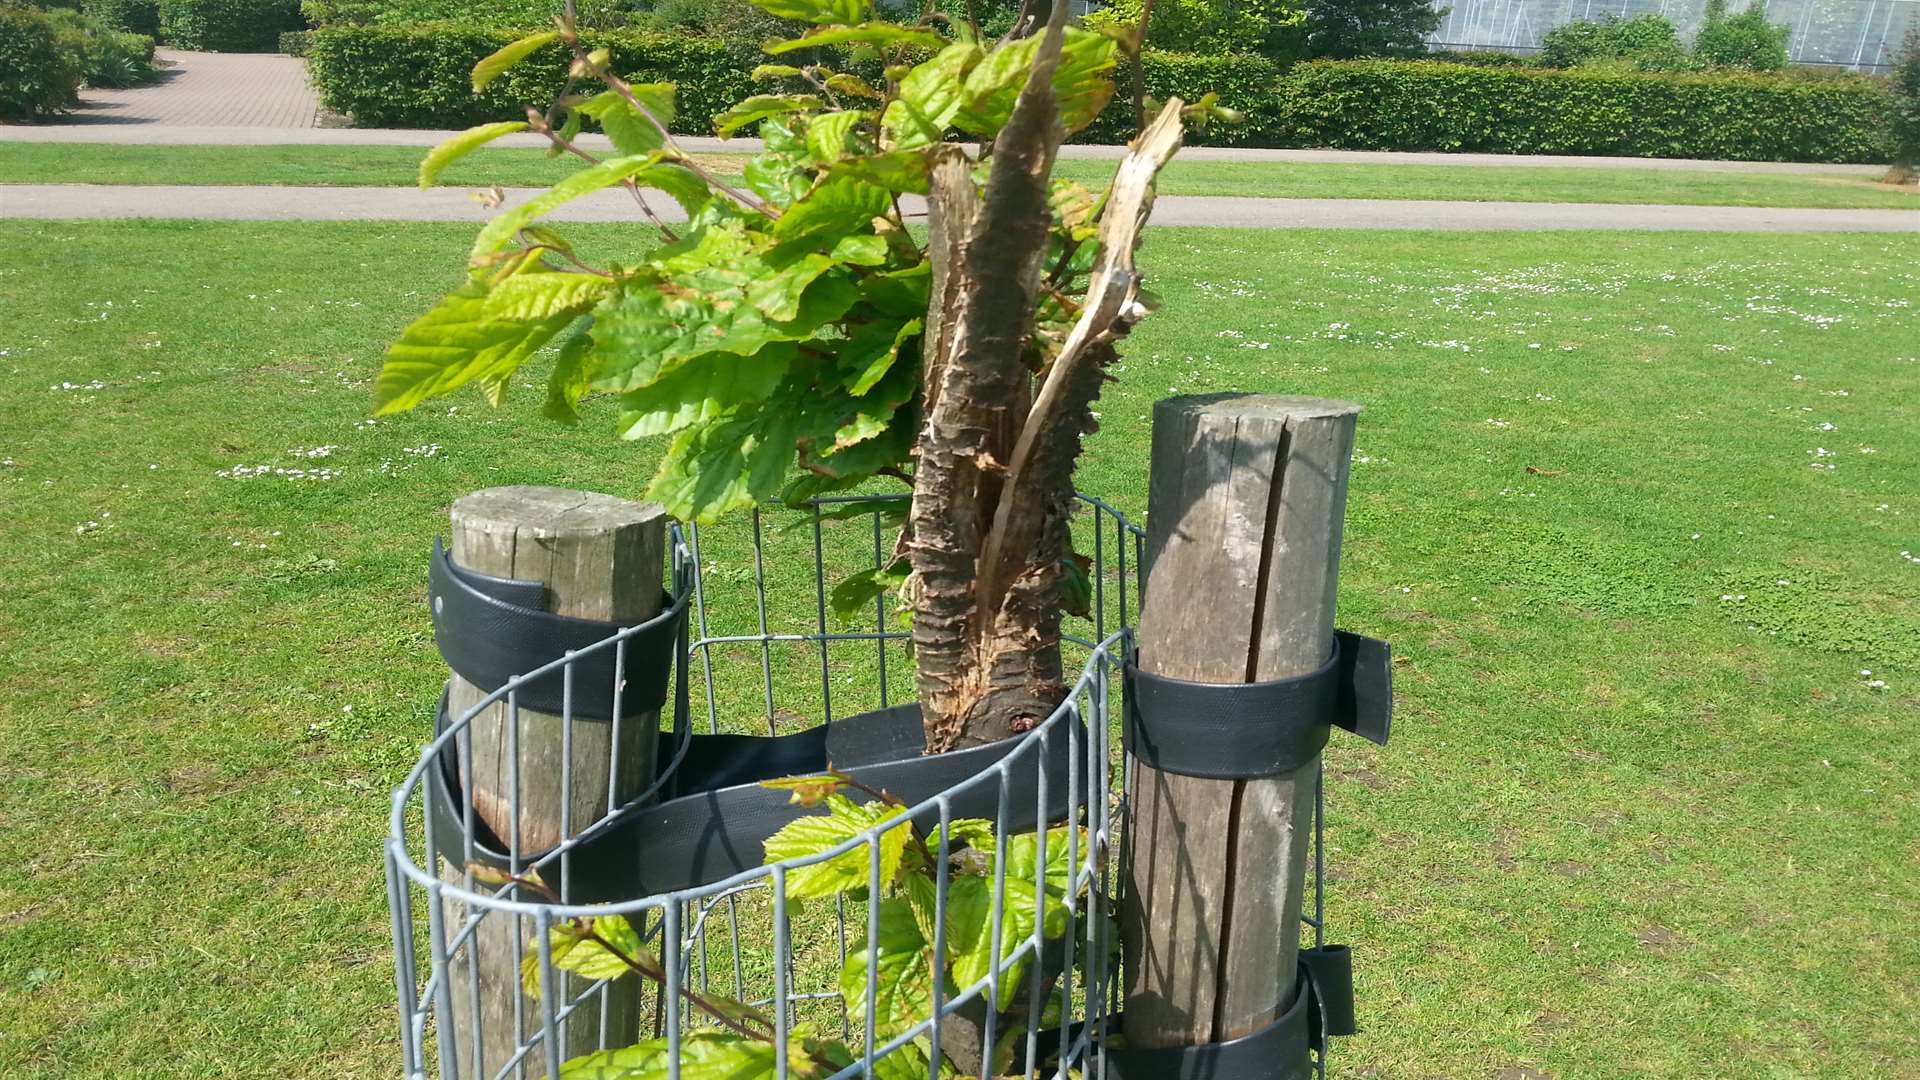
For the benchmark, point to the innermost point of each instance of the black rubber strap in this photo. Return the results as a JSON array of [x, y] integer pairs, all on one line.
[[716, 825], [1279, 1051], [490, 629], [1241, 731]]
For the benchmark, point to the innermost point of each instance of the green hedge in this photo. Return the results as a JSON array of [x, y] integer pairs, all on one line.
[[133, 16], [296, 42], [41, 64], [1421, 105], [227, 25], [1242, 82], [418, 76]]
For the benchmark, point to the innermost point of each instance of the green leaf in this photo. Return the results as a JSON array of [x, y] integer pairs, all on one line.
[[703, 390], [704, 1055], [759, 107], [458, 146], [873, 33], [870, 351], [574, 951], [530, 296], [641, 167], [775, 71], [854, 596], [854, 85], [816, 11], [1081, 84], [571, 376], [816, 833], [491, 68], [929, 98], [716, 468], [895, 170], [860, 250], [1076, 587], [902, 981], [829, 133], [900, 293], [631, 132], [458, 341], [567, 132], [807, 790], [832, 210], [975, 833]]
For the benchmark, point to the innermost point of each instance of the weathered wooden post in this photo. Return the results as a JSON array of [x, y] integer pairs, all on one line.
[[1243, 554], [600, 558]]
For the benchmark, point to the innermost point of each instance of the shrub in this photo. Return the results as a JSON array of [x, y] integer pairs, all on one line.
[[1649, 42], [227, 25], [1746, 40], [1245, 83], [419, 76], [1343, 29], [1401, 105], [133, 16], [296, 42], [117, 58], [1483, 58], [1207, 27], [41, 64]]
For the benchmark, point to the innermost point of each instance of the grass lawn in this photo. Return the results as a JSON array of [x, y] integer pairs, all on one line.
[[45, 163], [1638, 513]]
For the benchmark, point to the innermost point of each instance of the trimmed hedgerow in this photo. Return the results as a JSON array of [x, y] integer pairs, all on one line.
[[1243, 82], [1738, 116], [420, 76], [227, 25], [296, 42]]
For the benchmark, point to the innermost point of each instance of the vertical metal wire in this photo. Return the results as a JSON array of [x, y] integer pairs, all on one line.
[[782, 961], [941, 876], [1037, 963], [443, 1007], [760, 606], [820, 617], [616, 724], [700, 616], [871, 1003], [670, 1006], [998, 916], [549, 988], [879, 611], [402, 923]]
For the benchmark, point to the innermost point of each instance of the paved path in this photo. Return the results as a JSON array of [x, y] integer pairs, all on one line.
[[230, 99], [448, 204], [228, 92]]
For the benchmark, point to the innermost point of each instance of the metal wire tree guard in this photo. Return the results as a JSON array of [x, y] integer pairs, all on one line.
[[761, 629]]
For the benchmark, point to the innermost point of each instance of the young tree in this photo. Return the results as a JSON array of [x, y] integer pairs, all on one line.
[[1906, 110], [1345, 29], [1746, 40], [795, 319]]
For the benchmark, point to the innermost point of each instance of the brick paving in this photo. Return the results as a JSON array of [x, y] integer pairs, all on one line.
[[212, 90]]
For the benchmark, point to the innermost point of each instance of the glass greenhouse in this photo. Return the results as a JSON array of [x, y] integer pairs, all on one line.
[[1860, 34]]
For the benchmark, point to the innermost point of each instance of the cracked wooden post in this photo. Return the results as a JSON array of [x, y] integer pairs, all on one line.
[[600, 558], [1244, 520]]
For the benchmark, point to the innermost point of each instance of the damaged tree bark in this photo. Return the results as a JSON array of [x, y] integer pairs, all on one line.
[[993, 486]]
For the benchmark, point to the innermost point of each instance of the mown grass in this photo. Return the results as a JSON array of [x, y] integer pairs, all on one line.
[[1644, 813], [45, 163]]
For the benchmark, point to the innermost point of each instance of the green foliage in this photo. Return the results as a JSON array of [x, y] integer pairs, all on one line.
[[1243, 83], [1346, 29], [1649, 42], [1205, 27], [1492, 58], [1746, 40], [227, 25], [116, 58], [296, 42], [133, 16], [474, 14], [1397, 105], [1904, 115], [419, 76], [42, 63], [812, 835]]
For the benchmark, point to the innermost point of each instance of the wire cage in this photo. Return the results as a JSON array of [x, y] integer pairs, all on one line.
[[763, 653]]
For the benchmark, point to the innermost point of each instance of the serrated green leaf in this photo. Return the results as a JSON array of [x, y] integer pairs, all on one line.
[[656, 325], [1082, 84], [588, 957], [895, 170], [460, 340], [816, 11], [929, 98], [816, 833], [458, 146], [873, 33], [854, 596], [499, 232], [567, 131], [760, 107], [704, 1055], [870, 351], [775, 71], [529, 296], [829, 134], [716, 468], [901, 978], [900, 293], [832, 210], [493, 66], [703, 390], [860, 250], [631, 132], [975, 833], [572, 374], [854, 85]]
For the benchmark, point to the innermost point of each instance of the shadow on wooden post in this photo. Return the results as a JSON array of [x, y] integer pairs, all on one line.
[[1244, 522], [600, 558]]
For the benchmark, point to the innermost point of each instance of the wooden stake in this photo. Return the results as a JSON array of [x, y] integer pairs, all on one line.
[[1244, 520], [600, 558]]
